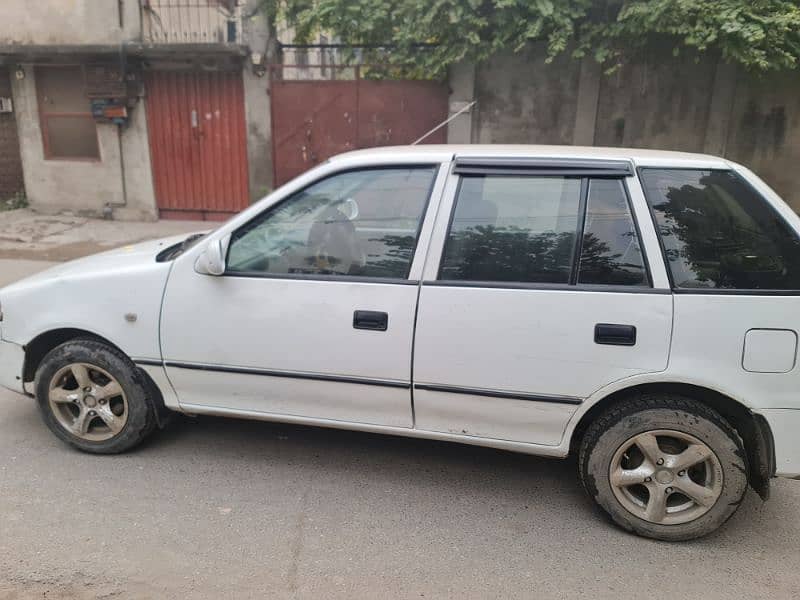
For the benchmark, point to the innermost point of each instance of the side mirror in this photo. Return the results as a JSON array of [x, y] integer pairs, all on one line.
[[212, 260]]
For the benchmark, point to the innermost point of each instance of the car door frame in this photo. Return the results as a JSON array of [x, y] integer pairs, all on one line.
[[640, 211], [184, 268], [562, 416]]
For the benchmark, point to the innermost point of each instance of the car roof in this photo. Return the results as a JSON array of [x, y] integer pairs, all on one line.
[[443, 152]]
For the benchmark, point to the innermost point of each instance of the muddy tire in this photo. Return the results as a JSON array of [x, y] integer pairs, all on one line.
[[663, 466], [94, 398]]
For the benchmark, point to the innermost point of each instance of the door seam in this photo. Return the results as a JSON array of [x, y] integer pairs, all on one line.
[[446, 176]]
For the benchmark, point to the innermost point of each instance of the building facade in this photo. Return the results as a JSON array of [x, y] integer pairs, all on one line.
[[145, 109], [135, 109]]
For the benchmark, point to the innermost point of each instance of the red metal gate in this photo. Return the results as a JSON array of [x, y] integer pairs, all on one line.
[[197, 143], [314, 119]]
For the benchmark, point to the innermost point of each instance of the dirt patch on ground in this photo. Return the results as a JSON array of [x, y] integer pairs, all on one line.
[[60, 253], [56, 591], [31, 230], [76, 587], [25, 234]]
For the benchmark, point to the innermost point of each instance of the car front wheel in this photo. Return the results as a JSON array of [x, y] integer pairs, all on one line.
[[664, 467], [93, 397]]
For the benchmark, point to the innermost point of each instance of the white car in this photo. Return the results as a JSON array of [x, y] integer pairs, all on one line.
[[637, 308]]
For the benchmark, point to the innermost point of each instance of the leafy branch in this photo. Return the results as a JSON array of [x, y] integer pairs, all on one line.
[[431, 35]]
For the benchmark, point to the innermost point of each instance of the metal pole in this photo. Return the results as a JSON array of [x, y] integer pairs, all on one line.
[[443, 123]]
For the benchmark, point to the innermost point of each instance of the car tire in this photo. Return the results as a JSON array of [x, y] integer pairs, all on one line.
[[634, 461], [94, 398]]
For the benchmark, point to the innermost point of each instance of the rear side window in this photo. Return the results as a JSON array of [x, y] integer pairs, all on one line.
[[520, 229], [719, 233], [610, 250], [551, 230]]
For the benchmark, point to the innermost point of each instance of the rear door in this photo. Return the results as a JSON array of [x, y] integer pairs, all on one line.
[[537, 293]]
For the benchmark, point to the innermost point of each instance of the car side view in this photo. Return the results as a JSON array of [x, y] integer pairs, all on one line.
[[637, 309]]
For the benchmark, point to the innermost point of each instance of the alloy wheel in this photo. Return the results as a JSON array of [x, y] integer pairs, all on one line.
[[88, 402], [666, 477]]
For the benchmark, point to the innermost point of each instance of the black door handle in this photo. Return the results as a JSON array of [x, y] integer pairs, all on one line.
[[370, 319], [615, 334]]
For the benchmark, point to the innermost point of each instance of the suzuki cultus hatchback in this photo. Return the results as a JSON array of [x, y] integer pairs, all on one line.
[[638, 309]]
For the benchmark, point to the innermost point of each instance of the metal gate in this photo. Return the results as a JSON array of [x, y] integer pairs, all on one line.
[[198, 148], [313, 119], [11, 182]]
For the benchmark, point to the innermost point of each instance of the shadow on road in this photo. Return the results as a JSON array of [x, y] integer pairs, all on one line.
[[385, 456]]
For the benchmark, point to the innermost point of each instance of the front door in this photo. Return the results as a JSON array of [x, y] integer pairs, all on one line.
[[314, 316], [541, 296], [198, 149]]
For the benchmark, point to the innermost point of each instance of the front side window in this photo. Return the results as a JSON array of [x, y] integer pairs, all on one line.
[[719, 233], [359, 223], [525, 229]]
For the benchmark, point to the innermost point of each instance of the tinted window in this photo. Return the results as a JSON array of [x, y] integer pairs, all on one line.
[[719, 233], [515, 229], [361, 223], [610, 251]]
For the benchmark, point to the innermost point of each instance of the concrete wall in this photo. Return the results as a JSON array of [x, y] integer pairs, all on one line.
[[764, 132], [79, 186], [669, 104], [57, 22], [462, 92], [257, 106], [523, 100], [11, 177], [662, 105], [139, 193]]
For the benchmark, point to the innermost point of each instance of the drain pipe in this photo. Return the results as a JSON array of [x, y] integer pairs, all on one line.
[[108, 209], [122, 168]]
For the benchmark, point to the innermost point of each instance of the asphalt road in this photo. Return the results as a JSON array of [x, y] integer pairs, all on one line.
[[214, 508]]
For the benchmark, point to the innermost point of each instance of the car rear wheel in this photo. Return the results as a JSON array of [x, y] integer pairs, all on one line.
[[93, 397], [664, 467]]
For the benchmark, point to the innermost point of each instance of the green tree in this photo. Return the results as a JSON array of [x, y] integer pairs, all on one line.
[[761, 35], [430, 35]]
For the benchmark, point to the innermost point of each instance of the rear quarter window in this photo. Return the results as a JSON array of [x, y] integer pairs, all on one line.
[[719, 233]]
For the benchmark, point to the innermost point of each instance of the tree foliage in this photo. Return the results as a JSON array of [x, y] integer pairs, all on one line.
[[761, 35], [430, 35]]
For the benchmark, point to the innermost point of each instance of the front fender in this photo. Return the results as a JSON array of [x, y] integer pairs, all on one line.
[[122, 306]]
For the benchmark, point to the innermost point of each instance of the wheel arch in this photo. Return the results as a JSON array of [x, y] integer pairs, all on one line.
[[751, 427], [38, 348]]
